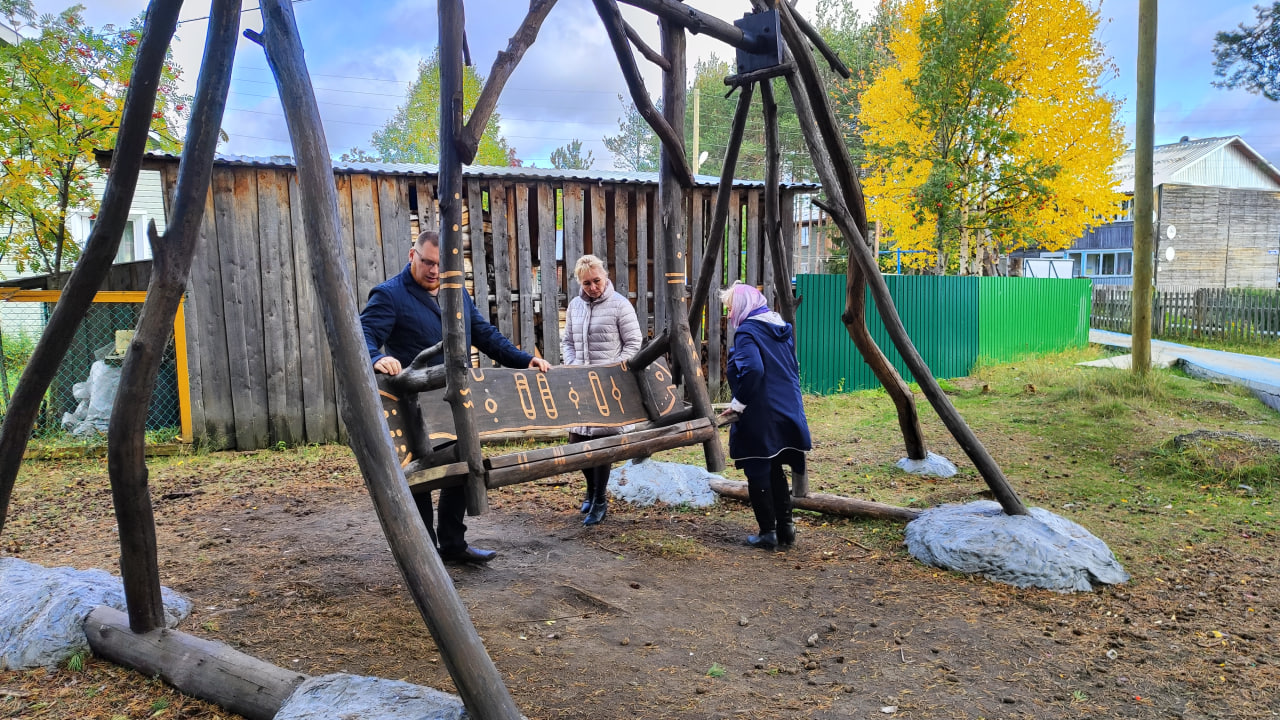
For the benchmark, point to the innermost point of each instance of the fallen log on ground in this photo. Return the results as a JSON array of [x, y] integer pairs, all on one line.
[[197, 667], [824, 503]]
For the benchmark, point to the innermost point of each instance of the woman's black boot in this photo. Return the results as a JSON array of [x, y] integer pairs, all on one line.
[[591, 492], [764, 541], [599, 501]]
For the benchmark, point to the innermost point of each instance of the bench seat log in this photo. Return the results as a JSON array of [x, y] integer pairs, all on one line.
[[507, 400], [601, 451]]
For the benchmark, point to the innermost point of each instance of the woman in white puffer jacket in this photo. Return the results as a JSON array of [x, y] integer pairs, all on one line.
[[600, 329]]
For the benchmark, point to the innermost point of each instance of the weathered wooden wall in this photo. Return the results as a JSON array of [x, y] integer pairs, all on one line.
[[259, 362], [1225, 238]]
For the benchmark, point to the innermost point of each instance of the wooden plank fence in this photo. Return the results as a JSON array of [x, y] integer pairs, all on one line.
[[259, 362], [1242, 314]]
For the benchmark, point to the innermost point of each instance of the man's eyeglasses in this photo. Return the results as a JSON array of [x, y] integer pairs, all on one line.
[[428, 264]]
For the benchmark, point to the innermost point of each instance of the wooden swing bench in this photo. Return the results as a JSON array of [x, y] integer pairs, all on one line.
[[639, 395]]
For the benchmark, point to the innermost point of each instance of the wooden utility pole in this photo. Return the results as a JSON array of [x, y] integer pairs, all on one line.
[[1143, 192]]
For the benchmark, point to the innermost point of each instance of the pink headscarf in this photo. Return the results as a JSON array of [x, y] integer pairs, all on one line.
[[743, 301]]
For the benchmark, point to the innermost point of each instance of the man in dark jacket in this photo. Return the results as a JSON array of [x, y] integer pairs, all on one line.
[[403, 318]]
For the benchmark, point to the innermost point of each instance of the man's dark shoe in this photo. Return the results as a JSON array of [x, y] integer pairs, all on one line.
[[469, 555], [786, 535], [764, 541]]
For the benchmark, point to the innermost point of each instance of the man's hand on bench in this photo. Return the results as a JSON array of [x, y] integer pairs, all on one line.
[[539, 364]]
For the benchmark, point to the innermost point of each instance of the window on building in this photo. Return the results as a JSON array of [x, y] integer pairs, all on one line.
[[1109, 264], [1124, 263], [128, 243], [804, 236], [1091, 264]]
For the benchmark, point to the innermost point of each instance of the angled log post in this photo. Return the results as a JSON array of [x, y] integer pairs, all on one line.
[[126, 435], [672, 206], [711, 255], [663, 127], [854, 316], [478, 682], [779, 255], [468, 141], [825, 138], [457, 356], [99, 250], [833, 60]]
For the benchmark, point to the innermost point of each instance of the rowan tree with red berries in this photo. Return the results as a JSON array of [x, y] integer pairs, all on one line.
[[62, 88]]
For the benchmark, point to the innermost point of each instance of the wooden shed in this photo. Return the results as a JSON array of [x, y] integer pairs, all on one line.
[[259, 362]]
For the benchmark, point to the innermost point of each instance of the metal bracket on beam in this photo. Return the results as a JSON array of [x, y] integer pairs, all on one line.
[[764, 35]]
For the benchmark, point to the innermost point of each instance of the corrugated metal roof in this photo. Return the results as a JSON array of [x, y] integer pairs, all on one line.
[[475, 171], [1170, 161]]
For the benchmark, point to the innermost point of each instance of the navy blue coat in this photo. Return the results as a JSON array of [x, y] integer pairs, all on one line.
[[765, 376], [403, 318]]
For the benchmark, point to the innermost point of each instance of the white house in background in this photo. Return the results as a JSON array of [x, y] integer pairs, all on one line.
[[1217, 220], [148, 205]]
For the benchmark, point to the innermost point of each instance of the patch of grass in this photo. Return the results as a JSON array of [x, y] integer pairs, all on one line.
[[716, 671], [660, 543], [1219, 460], [75, 663]]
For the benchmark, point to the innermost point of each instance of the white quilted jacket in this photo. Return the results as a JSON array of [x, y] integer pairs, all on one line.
[[599, 332]]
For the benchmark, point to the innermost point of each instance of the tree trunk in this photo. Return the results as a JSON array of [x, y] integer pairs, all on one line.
[[100, 248], [126, 447]]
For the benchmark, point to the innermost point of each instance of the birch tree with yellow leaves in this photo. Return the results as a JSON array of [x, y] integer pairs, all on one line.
[[988, 131]]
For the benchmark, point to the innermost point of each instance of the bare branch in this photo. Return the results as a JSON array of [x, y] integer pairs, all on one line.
[[505, 64], [672, 142], [715, 237], [649, 53], [830, 55]]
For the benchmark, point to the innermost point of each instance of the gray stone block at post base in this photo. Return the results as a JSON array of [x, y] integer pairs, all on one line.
[[355, 697], [42, 611], [646, 482], [1036, 550], [932, 464]]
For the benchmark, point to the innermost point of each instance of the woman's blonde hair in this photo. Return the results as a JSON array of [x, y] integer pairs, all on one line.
[[587, 263]]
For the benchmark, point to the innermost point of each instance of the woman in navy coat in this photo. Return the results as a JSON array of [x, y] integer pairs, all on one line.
[[771, 431]]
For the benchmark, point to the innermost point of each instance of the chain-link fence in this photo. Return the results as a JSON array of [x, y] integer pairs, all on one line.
[[77, 406]]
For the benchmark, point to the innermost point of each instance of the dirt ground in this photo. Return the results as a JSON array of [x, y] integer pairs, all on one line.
[[662, 612]]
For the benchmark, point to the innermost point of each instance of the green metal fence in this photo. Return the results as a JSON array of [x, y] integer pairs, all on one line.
[[952, 321]]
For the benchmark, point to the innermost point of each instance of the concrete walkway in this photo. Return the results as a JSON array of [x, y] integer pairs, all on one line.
[[1261, 375]]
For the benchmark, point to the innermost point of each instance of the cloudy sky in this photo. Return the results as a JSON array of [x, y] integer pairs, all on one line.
[[363, 55]]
